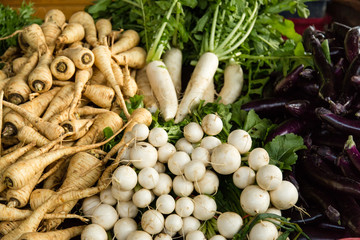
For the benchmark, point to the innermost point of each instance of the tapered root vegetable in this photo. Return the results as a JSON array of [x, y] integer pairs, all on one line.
[[77, 126], [95, 133], [63, 234], [40, 79], [10, 158], [18, 63], [55, 180], [209, 94], [72, 32], [200, 79], [60, 101], [82, 111], [144, 89], [134, 57], [128, 40], [104, 28], [62, 68], [82, 57], [34, 37], [101, 95], [28, 134], [8, 226], [129, 87], [20, 197], [98, 77], [17, 90], [56, 16], [173, 62], [103, 63], [74, 180], [233, 83], [88, 23], [51, 32], [49, 130], [13, 121], [19, 173], [118, 73], [81, 78], [39, 196], [163, 88]]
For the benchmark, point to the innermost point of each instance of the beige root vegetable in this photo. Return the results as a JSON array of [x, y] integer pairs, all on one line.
[[13, 121], [14, 214], [49, 130], [128, 39], [101, 95], [51, 32], [134, 57], [82, 57], [3, 75], [103, 120], [103, 63], [77, 126], [63, 234], [130, 87], [20, 197], [104, 29], [82, 111], [81, 78], [28, 134], [9, 54], [144, 89], [19, 173], [17, 90], [18, 63], [72, 32], [56, 16], [62, 68], [118, 74], [40, 79], [8, 226], [54, 181], [88, 23], [51, 171], [60, 83], [98, 78], [34, 37], [39, 196], [60, 102], [79, 163]]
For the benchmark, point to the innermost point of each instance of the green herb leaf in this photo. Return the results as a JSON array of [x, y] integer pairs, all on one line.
[[282, 150]]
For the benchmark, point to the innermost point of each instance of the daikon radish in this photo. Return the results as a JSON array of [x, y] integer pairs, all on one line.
[[144, 89], [173, 62], [233, 83]]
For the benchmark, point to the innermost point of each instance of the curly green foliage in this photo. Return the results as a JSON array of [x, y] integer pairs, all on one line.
[[12, 20]]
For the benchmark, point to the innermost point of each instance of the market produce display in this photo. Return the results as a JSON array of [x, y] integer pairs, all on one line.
[[178, 119]]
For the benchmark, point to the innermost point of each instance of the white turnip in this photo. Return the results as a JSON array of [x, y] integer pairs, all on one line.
[[126, 209], [195, 235], [107, 197], [123, 227], [210, 142], [165, 152], [139, 235], [164, 185], [94, 232], [263, 230], [105, 216], [182, 187], [148, 177], [285, 196], [229, 223], [209, 184], [89, 204], [241, 140], [173, 223], [142, 198], [152, 222], [244, 177], [257, 158], [124, 178], [193, 132], [225, 159], [143, 155], [201, 154], [269, 177], [212, 124], [165, 204], [204, 207], [254, 200], [140, 131], [184, 145], [194, 170], [177, 162], [158, 137], [189, 224], [121, 195], [184, 206]]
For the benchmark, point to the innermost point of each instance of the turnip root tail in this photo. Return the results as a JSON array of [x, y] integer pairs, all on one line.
[[203, 74]]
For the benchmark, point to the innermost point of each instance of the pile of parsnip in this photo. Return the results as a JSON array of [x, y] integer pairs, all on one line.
[[60, 88]]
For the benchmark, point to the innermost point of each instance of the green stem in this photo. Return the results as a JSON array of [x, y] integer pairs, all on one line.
[[254, 57], [230, 36], [220, 31], [175, 36], [153, 48], [253, 19], [213, 29], [268, 43]]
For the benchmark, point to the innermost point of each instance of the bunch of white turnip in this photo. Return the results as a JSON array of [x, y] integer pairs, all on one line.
[[171, 187]]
